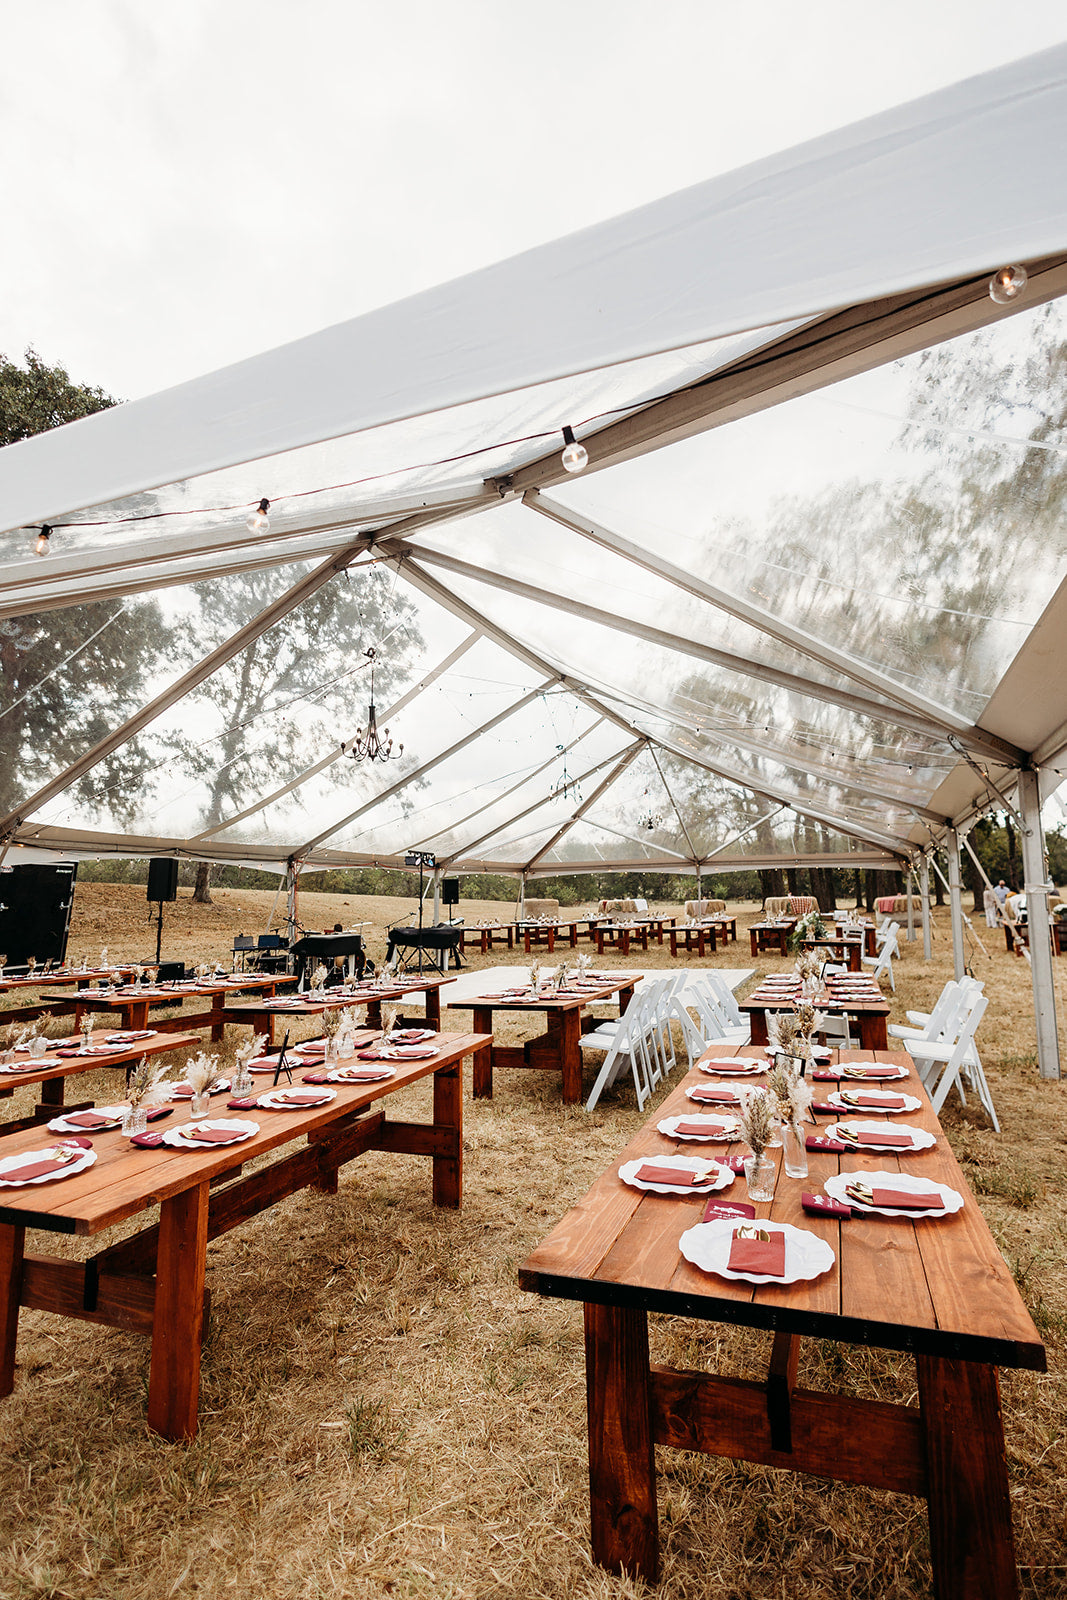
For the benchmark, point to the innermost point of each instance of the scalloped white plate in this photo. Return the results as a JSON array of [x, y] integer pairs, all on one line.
[[719, 1178], [837, 1185], [707, 1246]]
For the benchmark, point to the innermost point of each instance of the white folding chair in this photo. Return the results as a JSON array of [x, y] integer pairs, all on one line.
[[628, 1041], [942, 1063], [882, 964]]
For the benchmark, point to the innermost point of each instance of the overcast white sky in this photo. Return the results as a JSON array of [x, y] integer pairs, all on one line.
[[187, 182]]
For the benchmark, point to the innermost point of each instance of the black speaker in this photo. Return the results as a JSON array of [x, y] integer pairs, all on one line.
[[35, 904], [162, 879], [450, 891]]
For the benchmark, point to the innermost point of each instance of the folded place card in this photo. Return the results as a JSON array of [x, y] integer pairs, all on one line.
[[821, 1109], [822, 1141], [727, 1208], [825, 1074], [758, 1255], [736, 1164]]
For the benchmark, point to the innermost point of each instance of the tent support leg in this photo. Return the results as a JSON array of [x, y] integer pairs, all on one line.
[[436, 895], [909, 885], [952, 846], [1035, 883], [924, 889]]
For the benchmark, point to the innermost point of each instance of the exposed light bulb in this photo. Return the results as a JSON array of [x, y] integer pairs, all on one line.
[[258, 521], [43, 546], [1007, 284], [575, 456]]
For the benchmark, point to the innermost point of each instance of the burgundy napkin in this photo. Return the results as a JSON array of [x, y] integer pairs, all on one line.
[[210, 1135], [650, 1173], [355, 1075], [857, 1071], [37, 1169], [233, 1105], [716, 1096], [91, 1121], [822, 1109], [894, 1102], [696, 1130], [147, 1141], [905, 1200], [823, 1142], [313, 1077], [758, 1255], [294, 1097], [888, 1136], [86, 1144], [727, 1208], [159, 1113], [825, 1074], [820, 1205]]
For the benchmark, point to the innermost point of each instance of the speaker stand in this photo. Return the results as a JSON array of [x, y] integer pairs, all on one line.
[[159, 929]]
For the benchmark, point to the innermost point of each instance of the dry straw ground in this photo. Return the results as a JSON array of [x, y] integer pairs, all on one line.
[[384, 1413]]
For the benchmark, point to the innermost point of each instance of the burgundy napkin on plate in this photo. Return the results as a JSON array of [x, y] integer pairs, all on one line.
[[758, 1255], [823, 1142], [863, 1071], [697, 1130], [211, 1135], [887, 1137], [716, 1096], [905, 1200], [727, 1208], [293, 1097], [91, 1121], [650, 1173], [37, 1169], [820, 1205], [893, 1102]]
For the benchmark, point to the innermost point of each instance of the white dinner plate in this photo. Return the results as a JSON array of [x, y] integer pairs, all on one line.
[[867, 1132], [837, 1185], [722, 1129], [840, 1104], [9, 1167], [732, 1067], [238, 1126], [274, 1099], [718, 1178], [365, 1074], [114, 1115], [707, 1246]]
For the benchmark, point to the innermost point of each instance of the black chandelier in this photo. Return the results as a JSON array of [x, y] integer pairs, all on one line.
[[369, 745]]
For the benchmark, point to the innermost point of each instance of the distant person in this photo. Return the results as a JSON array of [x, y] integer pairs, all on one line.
[[1001, 892], [989, 901]]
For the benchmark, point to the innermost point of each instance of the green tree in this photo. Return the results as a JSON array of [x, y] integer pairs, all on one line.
[[63, 673]]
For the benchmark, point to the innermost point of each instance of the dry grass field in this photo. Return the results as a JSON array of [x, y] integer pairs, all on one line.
[[384, 1413]]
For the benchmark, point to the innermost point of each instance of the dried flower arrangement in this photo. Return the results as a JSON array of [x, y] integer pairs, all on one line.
[[202, 1073], [147, 1085], [756, 1120]]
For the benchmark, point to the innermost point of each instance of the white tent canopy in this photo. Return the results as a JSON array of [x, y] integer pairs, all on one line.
[[604, 672]]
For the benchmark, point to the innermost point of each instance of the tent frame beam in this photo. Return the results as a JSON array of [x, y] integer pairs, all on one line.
[[628, 757]]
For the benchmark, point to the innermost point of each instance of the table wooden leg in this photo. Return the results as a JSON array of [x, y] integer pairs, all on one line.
[[526, 937], [52, 1091], [971, 1544], [625, 995], [433, 1009], [135, 1016], [752, 940], [217, 1021], [599, 943], [448, 1114], [12, 1245], [873, 1033], [482, 1069], [622, 1459], [178, 1322], [571, 1056], [758, 1022]]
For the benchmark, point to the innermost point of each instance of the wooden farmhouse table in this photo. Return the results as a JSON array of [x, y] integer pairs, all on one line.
[[700, 936], [534, 933], [134, 1002], [64, 976], [937, 1290], [867, 1013], [558, 1049], [263, 1015], [485, 933], [771, 936], [154, 1282], [868, 930], [845, 948], [52, 1071]]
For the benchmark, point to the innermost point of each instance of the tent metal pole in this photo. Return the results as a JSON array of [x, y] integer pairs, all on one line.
[[745, 666], [909, 881], [924, 890], [766, 622], [436, 895], [952, 847], [292, 872], [1036, 887], [628, 757], [674, 803], [190, 680], [528, 811]]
